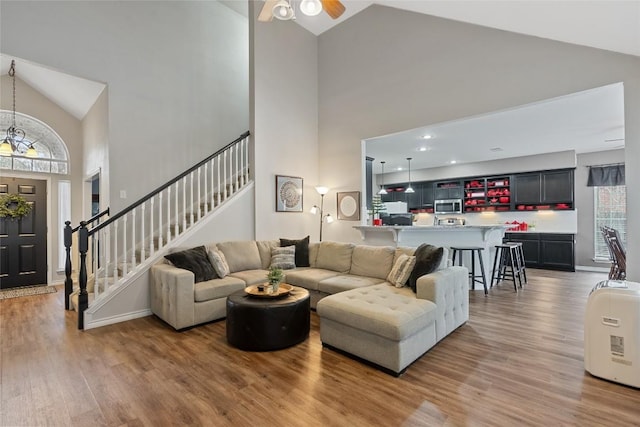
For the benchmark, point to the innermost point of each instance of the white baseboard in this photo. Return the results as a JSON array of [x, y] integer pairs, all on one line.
[[91, 324], [593, 269]]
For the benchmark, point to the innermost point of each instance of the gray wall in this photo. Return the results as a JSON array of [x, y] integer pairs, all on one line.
[[31, 102], [585, 204], [285, 123], [386, 70], [177, 74]]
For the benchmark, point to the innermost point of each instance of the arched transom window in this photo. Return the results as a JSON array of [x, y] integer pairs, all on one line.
[[52, 157]]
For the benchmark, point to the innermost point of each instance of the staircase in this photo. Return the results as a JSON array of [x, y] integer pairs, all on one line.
[[124, 247]]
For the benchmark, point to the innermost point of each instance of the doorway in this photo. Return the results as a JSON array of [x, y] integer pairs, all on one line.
[[23, 242]]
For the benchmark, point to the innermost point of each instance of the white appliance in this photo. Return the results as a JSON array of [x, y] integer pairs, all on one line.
[[612, 332], [447, 206], [396, 207]]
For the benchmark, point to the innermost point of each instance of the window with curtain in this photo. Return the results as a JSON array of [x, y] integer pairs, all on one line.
[[610, 205]]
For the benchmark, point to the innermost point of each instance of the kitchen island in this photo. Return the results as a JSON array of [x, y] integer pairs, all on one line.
[[483, 236]]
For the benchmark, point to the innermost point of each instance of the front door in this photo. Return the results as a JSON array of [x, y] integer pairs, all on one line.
[[23, 242]]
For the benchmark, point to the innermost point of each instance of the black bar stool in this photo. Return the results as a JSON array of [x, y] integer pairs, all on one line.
[[520, 261], [508, 255], [472, 275]]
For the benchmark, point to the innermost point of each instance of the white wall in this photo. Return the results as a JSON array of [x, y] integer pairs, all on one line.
[[31, 102], [285, 125], [386, 70], [585, 203], [95, 133], [177, 73]]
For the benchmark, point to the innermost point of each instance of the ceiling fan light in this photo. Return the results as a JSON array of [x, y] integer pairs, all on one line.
[[311, 7], [283, 11]]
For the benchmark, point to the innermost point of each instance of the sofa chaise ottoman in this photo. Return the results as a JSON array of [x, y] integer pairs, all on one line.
[[384, 325]]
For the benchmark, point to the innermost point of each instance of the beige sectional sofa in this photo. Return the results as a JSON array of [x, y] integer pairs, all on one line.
[[348, 286]]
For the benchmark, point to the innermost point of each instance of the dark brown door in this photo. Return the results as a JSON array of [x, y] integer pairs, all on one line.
[[23, 242]]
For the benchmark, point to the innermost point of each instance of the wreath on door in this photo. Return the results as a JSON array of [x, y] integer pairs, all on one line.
[[13, 206]]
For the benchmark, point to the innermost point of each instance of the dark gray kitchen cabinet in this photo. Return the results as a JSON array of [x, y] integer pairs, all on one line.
[[542, 188], [548, 251], [526, 189], [427, 194], [557, 186], [445, 190], [414, 200]]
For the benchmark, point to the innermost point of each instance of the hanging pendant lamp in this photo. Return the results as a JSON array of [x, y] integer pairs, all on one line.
[[409, 188], [382, 189]]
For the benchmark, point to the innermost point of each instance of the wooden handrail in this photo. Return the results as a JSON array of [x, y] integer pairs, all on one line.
[[167, 184]]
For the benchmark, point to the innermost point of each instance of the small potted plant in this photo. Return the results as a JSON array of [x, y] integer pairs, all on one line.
[[274, 277], [376, 207]]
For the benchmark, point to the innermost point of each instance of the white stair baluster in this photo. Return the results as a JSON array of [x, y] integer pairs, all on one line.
[[218, 193], [160, 228], [152, 230], [115, 251], [191, 199], [107, 250], [199, 199], [206, 188], [176, 225], [133, 238], [224, 174], [143, 237], [124, 245], [184, 204], [168, 214]]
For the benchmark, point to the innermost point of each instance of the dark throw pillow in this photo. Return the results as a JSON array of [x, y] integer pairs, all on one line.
[[428, 258], [196, 261], [302, 250]]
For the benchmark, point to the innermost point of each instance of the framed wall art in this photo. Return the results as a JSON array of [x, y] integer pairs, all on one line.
[[349, 206], [288, 193]]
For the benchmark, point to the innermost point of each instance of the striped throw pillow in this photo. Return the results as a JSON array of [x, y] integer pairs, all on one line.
[[219, 263], [401, 270], [283, 257]]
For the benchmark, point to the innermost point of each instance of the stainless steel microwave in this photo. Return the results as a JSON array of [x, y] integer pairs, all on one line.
[[447, 206]]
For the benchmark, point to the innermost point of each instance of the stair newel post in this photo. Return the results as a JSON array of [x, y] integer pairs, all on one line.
[[68, 283], [83, 296]]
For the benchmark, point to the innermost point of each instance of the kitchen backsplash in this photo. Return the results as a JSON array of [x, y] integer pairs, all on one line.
[[538, 221]]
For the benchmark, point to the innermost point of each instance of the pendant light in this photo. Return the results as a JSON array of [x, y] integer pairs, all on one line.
[[382, 190], [409, 188], [15, 144]]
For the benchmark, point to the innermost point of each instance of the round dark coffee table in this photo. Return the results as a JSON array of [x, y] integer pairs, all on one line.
[[264, 324]]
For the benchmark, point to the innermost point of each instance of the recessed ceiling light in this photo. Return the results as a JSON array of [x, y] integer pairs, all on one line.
[[453, 162], [496, 149], [423, 148], [399, 168], [427, 136]]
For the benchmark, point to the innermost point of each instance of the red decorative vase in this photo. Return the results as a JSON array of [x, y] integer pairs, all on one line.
[[377, 222]]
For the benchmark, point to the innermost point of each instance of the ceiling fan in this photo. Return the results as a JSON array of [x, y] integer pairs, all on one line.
[[283, 9]]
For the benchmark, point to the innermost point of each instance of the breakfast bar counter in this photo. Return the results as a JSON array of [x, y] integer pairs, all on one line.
[[483, 236]]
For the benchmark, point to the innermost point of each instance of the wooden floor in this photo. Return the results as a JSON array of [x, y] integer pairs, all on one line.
[[518, 361]]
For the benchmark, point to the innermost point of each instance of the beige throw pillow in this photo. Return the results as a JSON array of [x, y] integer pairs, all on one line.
[[401, 270], [219, 263]]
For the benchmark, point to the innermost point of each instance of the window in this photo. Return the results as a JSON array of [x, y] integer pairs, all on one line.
[[610, 209], [52, 152]]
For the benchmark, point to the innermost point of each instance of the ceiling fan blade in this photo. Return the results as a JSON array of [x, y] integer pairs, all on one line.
[[333, 8], [266, 14]]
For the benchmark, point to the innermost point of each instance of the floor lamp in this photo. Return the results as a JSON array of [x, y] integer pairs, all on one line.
[[314, 210]]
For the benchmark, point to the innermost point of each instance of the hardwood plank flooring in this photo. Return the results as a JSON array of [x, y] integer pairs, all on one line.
[[517, 362]]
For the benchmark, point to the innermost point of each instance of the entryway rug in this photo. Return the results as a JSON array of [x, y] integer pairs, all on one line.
[[27, 291]]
